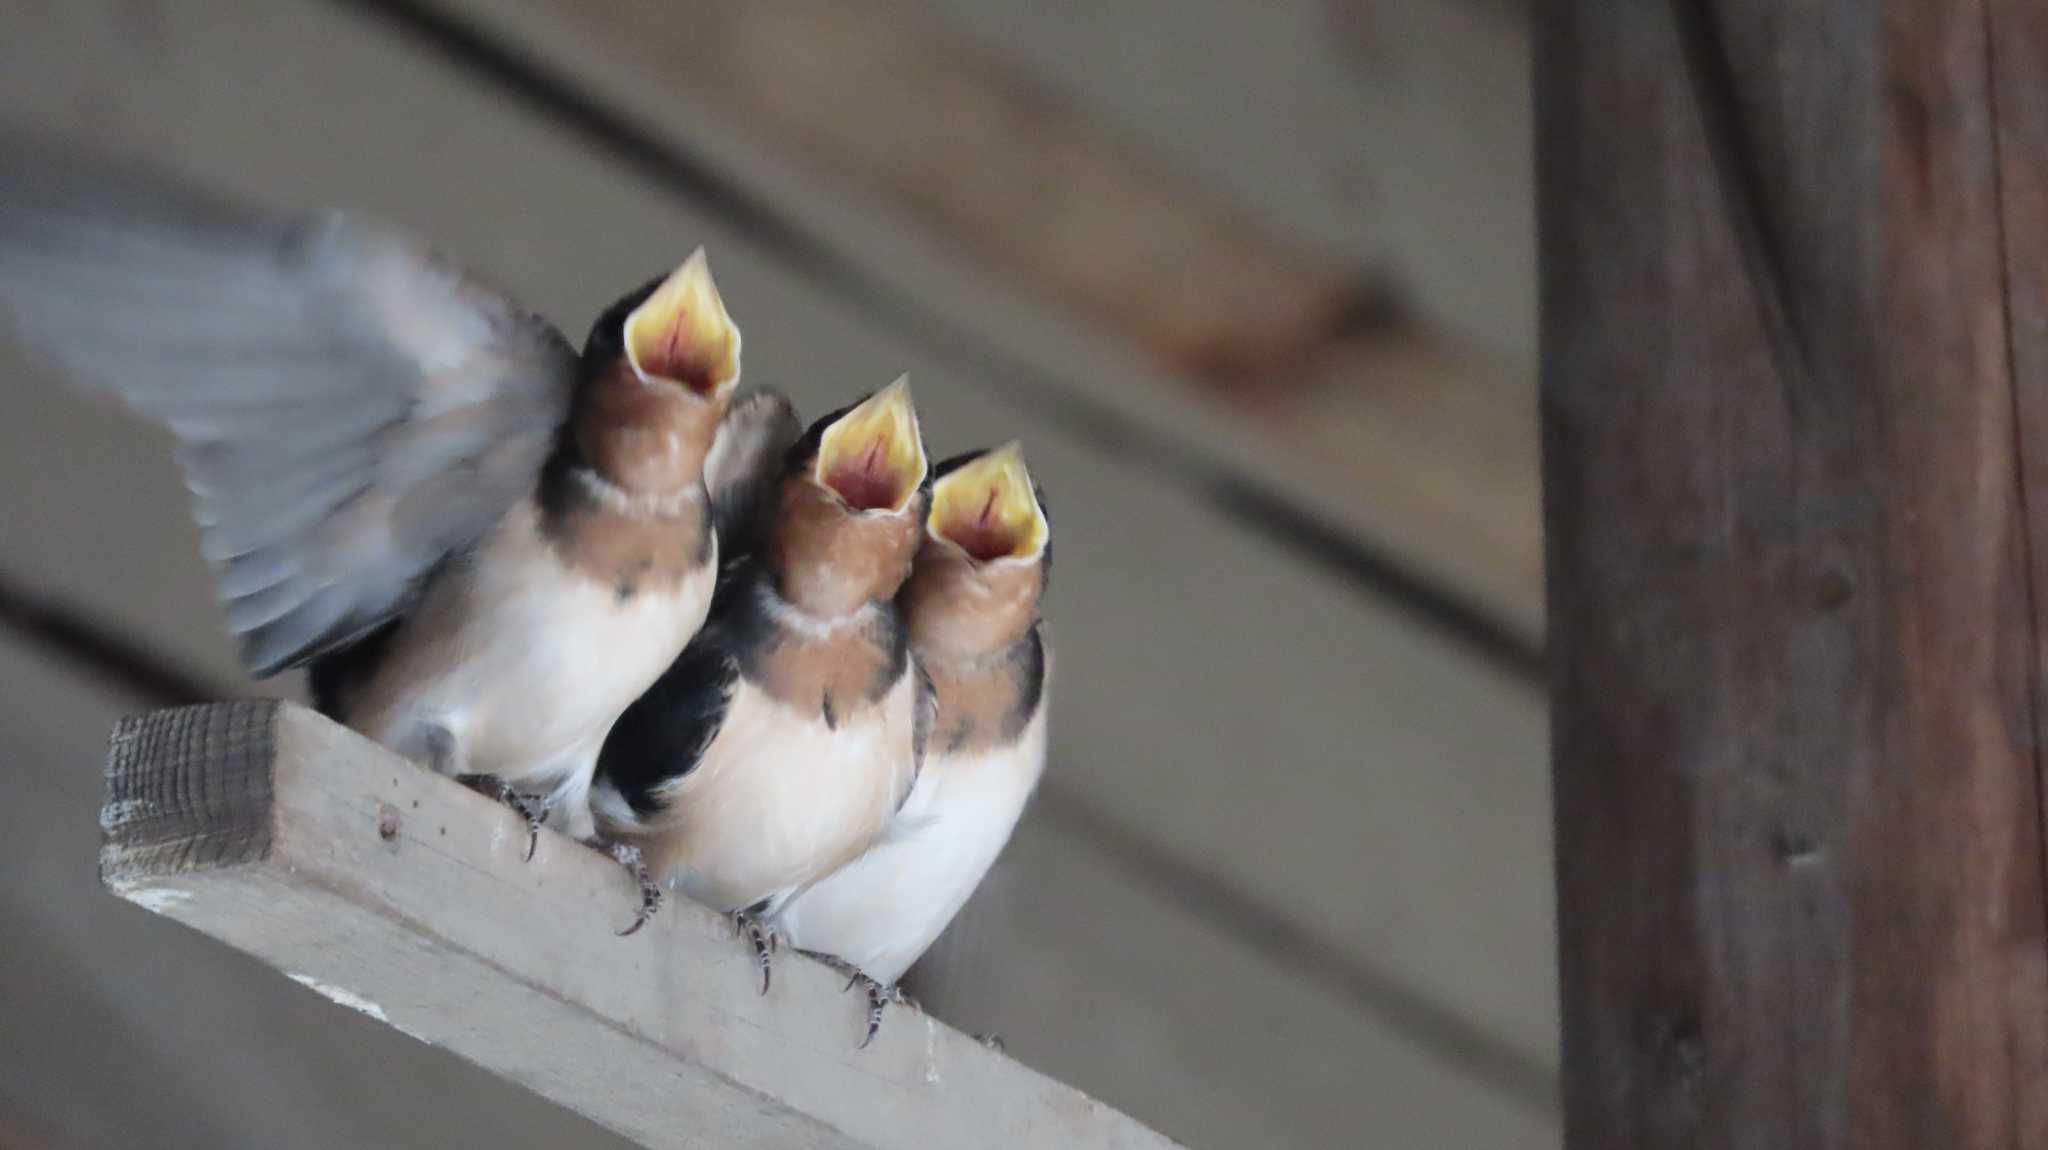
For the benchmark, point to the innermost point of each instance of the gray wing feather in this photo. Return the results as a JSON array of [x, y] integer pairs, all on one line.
[[745, 462], [349, 409]]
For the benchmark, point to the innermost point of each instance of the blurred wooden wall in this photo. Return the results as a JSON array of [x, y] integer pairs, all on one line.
[[1288, 881]]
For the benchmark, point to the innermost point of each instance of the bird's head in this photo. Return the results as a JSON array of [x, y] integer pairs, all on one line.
[[852, 499], [659, 367], [674, 333], [987, 547]]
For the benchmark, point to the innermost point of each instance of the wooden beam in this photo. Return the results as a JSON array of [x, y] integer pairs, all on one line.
[[1794, 589], [910, 158], [403, 896], [1400, 422], [877, 93]]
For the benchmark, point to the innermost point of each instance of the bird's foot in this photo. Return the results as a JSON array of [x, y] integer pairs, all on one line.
[[993, 1042], [879, 999], [764, 940], [629, 856], [533, 810]]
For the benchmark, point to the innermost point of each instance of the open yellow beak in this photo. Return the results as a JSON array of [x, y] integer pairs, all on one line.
[[988, 508], [873, 457], [682, 335]]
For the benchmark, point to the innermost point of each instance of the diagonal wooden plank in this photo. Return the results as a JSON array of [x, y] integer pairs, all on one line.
[[126, 1029], [406, 897]]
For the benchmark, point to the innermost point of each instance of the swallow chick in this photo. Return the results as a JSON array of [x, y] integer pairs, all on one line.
[[785, 736], [971, 608], [481, 545], [741, 475]]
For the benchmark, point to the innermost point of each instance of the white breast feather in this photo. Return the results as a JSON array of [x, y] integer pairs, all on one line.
[[779, 798], [527, 663], [881, 911]]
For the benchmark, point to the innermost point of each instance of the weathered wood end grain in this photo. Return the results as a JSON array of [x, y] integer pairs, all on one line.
[[406, 897], [188, 789]]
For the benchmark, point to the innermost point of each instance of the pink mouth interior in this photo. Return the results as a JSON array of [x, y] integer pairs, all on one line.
[[983, 538], [866, 483], [688, 365]]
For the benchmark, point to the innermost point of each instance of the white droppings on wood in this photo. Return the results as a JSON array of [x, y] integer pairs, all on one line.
[[155, 899], [340, 996], [931, 1050]]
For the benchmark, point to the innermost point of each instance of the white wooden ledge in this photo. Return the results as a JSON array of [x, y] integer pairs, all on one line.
[[403, 895]]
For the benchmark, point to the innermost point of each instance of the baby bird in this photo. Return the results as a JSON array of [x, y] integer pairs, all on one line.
[[786, 735], [482, 545], [971, 608]]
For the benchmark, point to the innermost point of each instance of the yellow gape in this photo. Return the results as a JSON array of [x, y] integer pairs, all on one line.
[[873, 456], [682, 335], [989, 509]]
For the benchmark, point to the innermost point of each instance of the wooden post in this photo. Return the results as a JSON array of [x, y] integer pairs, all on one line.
[[404, 896], [1795, 406]]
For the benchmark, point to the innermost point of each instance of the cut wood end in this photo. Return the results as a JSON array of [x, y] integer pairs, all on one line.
[[188, 789]]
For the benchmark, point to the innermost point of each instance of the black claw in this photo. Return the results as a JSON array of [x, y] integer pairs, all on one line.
[[629, 856], [764, 951], [993, 1042], [533, 812], [536, 818], [764, 941], [879, 998], [876, 1005]]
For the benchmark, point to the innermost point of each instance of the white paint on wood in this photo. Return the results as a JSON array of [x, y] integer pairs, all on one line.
[[156, 900], [334, 994]]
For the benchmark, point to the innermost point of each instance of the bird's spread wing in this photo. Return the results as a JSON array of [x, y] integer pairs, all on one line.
[[745, 464], [350, 410]]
